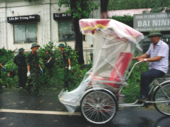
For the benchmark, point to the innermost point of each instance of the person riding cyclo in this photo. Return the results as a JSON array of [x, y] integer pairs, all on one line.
[[158, 58]]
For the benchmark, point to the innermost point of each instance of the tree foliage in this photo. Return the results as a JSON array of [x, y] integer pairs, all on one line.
[[156, 5], [82, 9], [126, 19]]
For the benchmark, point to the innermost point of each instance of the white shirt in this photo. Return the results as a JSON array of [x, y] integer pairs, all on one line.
[[161, 49]]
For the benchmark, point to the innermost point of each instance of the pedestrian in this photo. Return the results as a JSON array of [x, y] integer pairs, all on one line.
[[91, 56], [20, 61], [49, 62], [66, 65], [1, 91], [158, 58], [33, 67]]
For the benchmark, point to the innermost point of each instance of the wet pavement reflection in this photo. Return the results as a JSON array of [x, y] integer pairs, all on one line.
[[18, 99]]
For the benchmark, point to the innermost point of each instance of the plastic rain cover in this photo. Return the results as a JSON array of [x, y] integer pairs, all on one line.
[[114, 45]]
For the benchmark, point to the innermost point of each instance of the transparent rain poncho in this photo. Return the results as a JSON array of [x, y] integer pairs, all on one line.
[[114, 46]]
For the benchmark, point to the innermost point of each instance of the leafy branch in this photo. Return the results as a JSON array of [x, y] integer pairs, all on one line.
[[82, 8]]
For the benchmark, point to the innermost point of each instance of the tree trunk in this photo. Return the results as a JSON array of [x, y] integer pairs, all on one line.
[[78, 41], [78, 35]]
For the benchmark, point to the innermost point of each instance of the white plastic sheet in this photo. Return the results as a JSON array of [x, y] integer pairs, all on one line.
[[112, 39]]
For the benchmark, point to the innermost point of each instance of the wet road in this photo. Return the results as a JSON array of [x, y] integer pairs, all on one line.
[[38, 112]]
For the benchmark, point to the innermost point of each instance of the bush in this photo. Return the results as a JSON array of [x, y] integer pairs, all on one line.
[[126, 19], [6, 55], [76, 74], [52, 78], [6, 59]]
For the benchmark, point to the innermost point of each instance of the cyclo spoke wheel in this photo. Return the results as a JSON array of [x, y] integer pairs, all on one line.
[[160, 95], [98, 107]]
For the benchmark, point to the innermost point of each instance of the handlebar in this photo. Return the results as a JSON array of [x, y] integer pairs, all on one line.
[[133, 68]]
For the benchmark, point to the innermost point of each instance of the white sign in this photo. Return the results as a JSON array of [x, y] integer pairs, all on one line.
[[152, 21]]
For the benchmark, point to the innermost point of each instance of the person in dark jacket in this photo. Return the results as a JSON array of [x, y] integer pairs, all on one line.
[[49, 62], [91, 56], [20, 61]]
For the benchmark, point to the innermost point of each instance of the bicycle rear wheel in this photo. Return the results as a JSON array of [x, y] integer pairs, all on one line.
[[98, 107], [163, 94]]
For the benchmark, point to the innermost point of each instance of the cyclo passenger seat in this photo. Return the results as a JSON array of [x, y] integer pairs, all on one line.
[[121, 65]]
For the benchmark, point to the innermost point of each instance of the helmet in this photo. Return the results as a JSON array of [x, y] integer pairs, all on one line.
[[34, 45], [91, 54], [20, 50], [61, 45], [47, 50]]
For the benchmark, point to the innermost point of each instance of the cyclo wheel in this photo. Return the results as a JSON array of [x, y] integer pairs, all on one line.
[[159, 95], [98, 107]]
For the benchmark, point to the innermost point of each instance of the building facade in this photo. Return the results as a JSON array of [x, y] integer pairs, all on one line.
[[23, 23]]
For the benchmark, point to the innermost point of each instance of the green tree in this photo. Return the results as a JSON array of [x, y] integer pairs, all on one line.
[[156, 5], [126, 19]]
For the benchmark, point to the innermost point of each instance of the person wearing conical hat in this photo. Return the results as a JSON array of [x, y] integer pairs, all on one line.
[[158, 58], [33, 69], [20, 61]]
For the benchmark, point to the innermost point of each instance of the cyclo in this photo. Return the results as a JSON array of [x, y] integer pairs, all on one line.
[[98, 93]]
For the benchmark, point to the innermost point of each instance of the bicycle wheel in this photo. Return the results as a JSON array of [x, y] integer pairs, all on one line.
[[98, 107], [163, 95]]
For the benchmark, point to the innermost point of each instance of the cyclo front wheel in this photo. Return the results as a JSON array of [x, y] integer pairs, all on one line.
[[98, 107], [163, 94]]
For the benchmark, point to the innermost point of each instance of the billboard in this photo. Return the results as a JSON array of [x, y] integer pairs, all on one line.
[[151, 21]]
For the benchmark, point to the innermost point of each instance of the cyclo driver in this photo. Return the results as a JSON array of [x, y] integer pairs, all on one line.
[[158, 58]]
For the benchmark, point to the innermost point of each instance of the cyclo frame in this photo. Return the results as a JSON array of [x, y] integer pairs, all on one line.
[[153, 86]]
